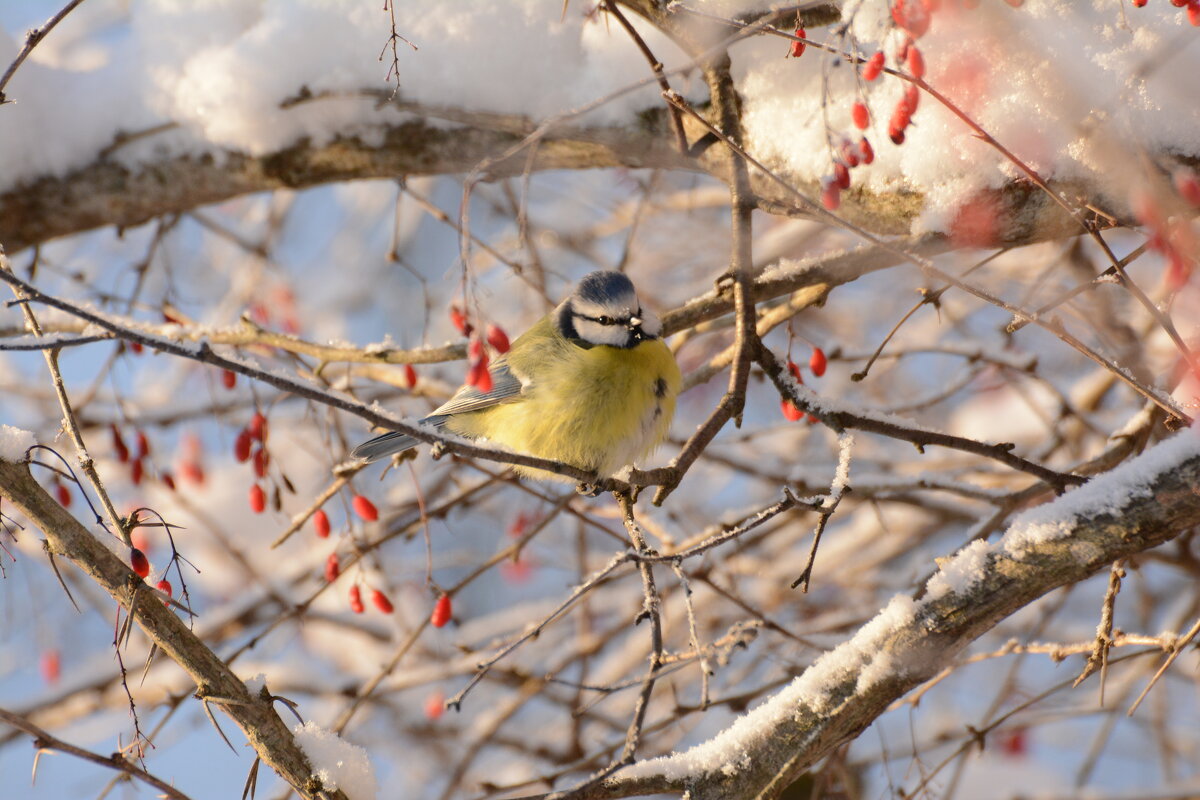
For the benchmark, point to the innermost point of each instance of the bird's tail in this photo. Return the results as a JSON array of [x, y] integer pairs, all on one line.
[[382, 446]]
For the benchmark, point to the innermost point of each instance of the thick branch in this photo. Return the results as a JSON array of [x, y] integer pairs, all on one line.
[[215, 681], [1138, 506]]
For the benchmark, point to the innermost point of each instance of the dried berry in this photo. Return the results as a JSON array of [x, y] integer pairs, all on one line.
[[497, 338], [459, 320], [364, 508], [831, 193], [241, 446], [841, 175], [873, 67], [866, 152], [381, 601], [138, 562], [137, 470], [258, 427], [798, 47], [118, 443], [860, 115], [258, 499], [63, 494], [261, 459], [818, 362], [321, 523], [441, 612], [912, 16], [915, 62], [435, 706]]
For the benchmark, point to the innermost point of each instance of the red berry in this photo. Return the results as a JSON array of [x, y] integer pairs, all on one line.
[[410, 376], [168, 480], [136, 348], [241, 446], [164, 586], [831, 194], [364, 508], [1139, 3], [798, 47], [1015, 3], [258, 499], [1179, 3], [380, 601], [497, 338], [51, 666], [261, 459], [849, 154], [915, 62], [475, 350], [479, 376], [896, 135], [459, 320], [258, 427], [865, 150], [912, 16], [192, 471], [435, 706], [137, 471], [1193, 12], [912, 98], [228, 378], [1187, 183], [63, 494], [794, 368], [356, 603], [790, 412], [118, 443], [860, 115], [333, 568], [321, 523], [841, 175], [813, 419], [818, 362], [441, 612], [143, 445], [873, 67], [138, 562]]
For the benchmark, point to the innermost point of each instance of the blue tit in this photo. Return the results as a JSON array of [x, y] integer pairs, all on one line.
[[591, 384]]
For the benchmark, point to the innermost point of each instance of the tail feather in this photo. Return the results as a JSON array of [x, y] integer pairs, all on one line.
[[394, 442], [383, 446]]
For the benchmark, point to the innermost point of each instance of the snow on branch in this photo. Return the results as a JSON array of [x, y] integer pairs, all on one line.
[[1137, 506]]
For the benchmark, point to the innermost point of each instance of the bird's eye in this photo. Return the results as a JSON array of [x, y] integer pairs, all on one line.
[[606, 320]]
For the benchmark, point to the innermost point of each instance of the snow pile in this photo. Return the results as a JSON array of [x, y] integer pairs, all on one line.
[[1056, 82], [14, 443], [339, 764]]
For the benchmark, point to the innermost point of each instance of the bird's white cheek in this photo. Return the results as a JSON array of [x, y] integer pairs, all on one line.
[[594, 332]]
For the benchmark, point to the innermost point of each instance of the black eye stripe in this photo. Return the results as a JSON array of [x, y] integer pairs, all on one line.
[[602, 320]]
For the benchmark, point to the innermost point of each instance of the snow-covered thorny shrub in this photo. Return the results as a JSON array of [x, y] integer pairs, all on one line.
[[927, 268]]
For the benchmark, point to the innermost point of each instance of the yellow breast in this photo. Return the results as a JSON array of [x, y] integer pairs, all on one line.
[[599, 408]]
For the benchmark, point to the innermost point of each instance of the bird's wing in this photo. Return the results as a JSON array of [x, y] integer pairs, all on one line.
[[506, 385]]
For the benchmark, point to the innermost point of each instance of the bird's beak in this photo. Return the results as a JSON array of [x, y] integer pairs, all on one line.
[[635, 327]]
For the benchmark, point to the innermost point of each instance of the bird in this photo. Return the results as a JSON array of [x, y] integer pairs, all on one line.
[[591, 384]]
